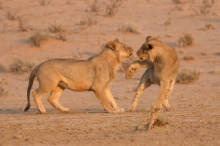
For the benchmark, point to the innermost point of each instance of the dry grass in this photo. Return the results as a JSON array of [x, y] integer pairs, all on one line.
[[94, 6], [167, 22], [188, 58], [207, 4], [61, 36], [215, 71], [2, 67], [57, 27], [217, 53], [88, 21], [44, 2], [126, 63], [187, 76], [186, 40], [38, 37], [69, 2], [2, 90], [11, 16], [20, 66], [23, 24], [180, 1], [112, 7], [1, 6], [126, 27], [208, 26]]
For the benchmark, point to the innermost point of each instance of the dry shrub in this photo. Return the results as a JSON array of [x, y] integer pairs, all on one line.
[[126, 27], [11, 16], [126, 63], [44, 2], [112, 7], [2, 67], [61, 36], [215, 71], [88, 21], [57, 27], [208, 26], [23, 24], [168, 36], [20, 66], [3, 91], [168, 22], [207, 4], [69, 2], [187, 76], [180, 1], [217, 53], [38, 37], [186, 40], [188, 58], [94, 6]]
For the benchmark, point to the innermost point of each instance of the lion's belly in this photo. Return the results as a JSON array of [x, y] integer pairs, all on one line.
[[75, 86]]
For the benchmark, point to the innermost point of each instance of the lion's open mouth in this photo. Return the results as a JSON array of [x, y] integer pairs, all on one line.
[[141, 58]]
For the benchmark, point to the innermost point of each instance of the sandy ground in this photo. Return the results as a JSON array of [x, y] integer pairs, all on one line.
[[196, 119]]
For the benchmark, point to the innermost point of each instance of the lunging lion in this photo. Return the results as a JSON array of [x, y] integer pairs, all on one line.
[[163, 64], [94, 74]]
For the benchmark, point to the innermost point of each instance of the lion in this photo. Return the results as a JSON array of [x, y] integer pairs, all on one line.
[[94, 74], [162, 62]]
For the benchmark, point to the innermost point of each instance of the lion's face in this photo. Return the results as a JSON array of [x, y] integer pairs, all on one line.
[[123, 50], [143, 52]]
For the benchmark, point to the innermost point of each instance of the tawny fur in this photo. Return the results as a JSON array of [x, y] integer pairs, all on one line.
[[94, 74], [163, 64]]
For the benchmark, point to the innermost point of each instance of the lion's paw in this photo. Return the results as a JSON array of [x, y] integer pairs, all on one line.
[[129, 72], [131, 109], [121, 110]]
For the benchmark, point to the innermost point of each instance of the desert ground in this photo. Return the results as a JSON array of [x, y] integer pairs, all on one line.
[[84, 26]]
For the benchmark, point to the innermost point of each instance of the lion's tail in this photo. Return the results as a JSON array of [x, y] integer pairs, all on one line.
[[31, 80]]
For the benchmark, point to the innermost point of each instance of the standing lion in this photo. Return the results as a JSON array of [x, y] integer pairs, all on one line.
[[163, 64], [94, 74]]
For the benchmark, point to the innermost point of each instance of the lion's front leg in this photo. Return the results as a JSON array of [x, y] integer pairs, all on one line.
[[112, 101], [102, 96]]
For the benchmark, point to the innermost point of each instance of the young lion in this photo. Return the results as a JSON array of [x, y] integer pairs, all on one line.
[[94, 74], [163, 64]]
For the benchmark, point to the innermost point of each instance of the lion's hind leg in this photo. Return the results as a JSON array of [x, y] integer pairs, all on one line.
[[54, 97], [144, 83], [37, 94]]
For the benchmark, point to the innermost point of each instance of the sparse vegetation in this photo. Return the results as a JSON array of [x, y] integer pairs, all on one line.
[[88, 21], [112, 7], [38, 37], [44, 2], [57, 27], [186, 40], [11, 16], [168, 22], [2, 90], [61, 36], [126, 27], [208, 26], [94, 6], [126, 63], [69, 2], [0, 5], [20, 66], [187, 76], [215, 71], [188, 58], [2, 67], [207, 4], [217, 53], [180, 1], [23, 24]]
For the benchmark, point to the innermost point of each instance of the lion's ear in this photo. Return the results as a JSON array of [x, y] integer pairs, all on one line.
[[148, 38], [117, 40], [150, 46], [112, 45]]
